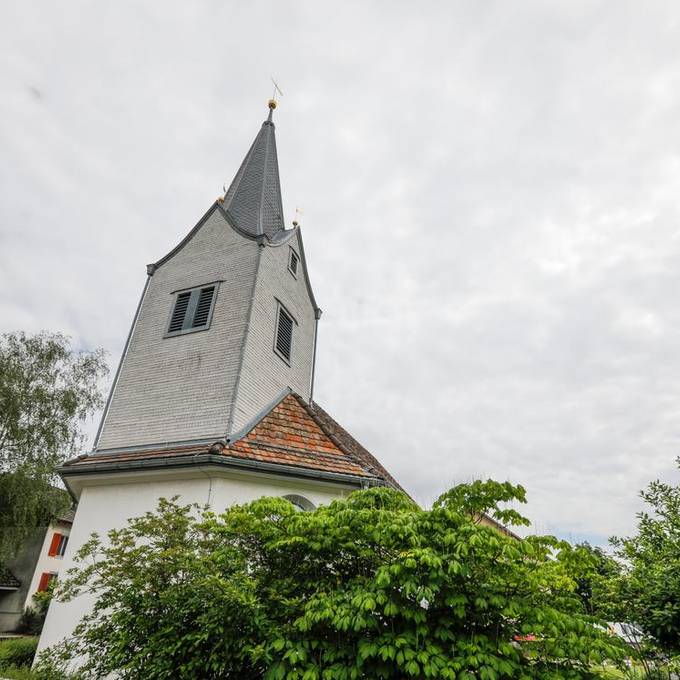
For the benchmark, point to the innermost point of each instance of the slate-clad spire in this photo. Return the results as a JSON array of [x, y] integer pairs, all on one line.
[[253, 201]]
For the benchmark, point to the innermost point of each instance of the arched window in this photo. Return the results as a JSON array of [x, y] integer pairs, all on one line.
[[300, 502]]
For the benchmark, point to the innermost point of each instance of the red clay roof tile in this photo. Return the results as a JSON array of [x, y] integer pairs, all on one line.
[[292, 433]]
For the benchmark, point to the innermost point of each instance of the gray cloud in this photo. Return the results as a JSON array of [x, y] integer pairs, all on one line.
[[491, 213]]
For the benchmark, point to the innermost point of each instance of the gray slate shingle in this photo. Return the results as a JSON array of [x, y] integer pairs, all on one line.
[[253, 200]]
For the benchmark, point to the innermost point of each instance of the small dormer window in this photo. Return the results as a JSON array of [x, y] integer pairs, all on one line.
[[284, 334], [192, 310], [293, 261]]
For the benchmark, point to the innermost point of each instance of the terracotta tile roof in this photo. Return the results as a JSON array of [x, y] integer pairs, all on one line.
[[351, 445], [291, 433], [138, 454]]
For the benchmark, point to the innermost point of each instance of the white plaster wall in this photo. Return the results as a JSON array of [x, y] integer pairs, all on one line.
[[181, 388], [46, 563], [107, 504]]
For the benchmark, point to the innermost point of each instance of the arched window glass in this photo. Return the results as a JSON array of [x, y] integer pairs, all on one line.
[[300, 502]]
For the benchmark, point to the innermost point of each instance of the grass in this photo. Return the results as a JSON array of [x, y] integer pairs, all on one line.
[[17, 652], [17, 674], [634, 673], [16, 656]]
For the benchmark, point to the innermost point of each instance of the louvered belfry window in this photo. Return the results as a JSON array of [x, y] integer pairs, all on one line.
[[192, 310], [284, 333], [203, 307], [179, 313]]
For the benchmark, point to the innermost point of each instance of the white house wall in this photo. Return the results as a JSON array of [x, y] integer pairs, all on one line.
[[46, 563], [108, 503]]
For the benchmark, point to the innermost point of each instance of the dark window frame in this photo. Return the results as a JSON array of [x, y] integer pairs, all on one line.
[[293, 261], [280, 308], [301, 503], [189, 316], [61, 548]]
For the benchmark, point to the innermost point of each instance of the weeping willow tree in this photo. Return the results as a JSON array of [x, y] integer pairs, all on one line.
[[47, 391]]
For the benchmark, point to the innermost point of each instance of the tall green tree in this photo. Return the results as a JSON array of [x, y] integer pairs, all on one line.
[[47, 391], [648, 592], [598, 586], [367, 587]]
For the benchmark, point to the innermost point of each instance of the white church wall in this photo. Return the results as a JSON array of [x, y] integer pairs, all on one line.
[[107, 504], [181, 388], [265, 373]]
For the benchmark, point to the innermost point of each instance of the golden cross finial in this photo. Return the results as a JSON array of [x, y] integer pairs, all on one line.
[[272, 101]]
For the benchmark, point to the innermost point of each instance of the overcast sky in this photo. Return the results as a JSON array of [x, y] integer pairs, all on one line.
[[491, 213]]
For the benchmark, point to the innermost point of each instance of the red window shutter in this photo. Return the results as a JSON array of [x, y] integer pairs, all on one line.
[[44, 582], [54, 546]]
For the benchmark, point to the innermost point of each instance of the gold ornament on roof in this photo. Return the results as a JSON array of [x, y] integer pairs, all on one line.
[[272, 101]]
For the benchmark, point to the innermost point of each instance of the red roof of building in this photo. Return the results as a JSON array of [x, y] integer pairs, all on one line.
[[291, 433]]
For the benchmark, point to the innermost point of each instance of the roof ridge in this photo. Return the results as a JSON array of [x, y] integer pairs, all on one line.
[[310, 410], [258, 418], [366, 460]]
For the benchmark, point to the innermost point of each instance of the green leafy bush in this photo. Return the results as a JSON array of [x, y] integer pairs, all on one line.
[[17, 651], [367, 587], [648, 590], [33, 618], [31, 622]]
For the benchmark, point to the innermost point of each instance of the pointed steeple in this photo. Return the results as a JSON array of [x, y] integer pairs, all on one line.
[[253, 200]]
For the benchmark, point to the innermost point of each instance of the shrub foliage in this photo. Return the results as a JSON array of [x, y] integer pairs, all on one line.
[[33, 618], [648, 589], [366, 587], [17, 652]]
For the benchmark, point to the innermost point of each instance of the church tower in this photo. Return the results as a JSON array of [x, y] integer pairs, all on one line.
[[227, 320], [212, 400]]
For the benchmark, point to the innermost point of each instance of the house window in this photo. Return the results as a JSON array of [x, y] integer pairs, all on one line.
[[192, 310], [58, 545], [284, 334], [293, 260], [300, 502], [46, 580]]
